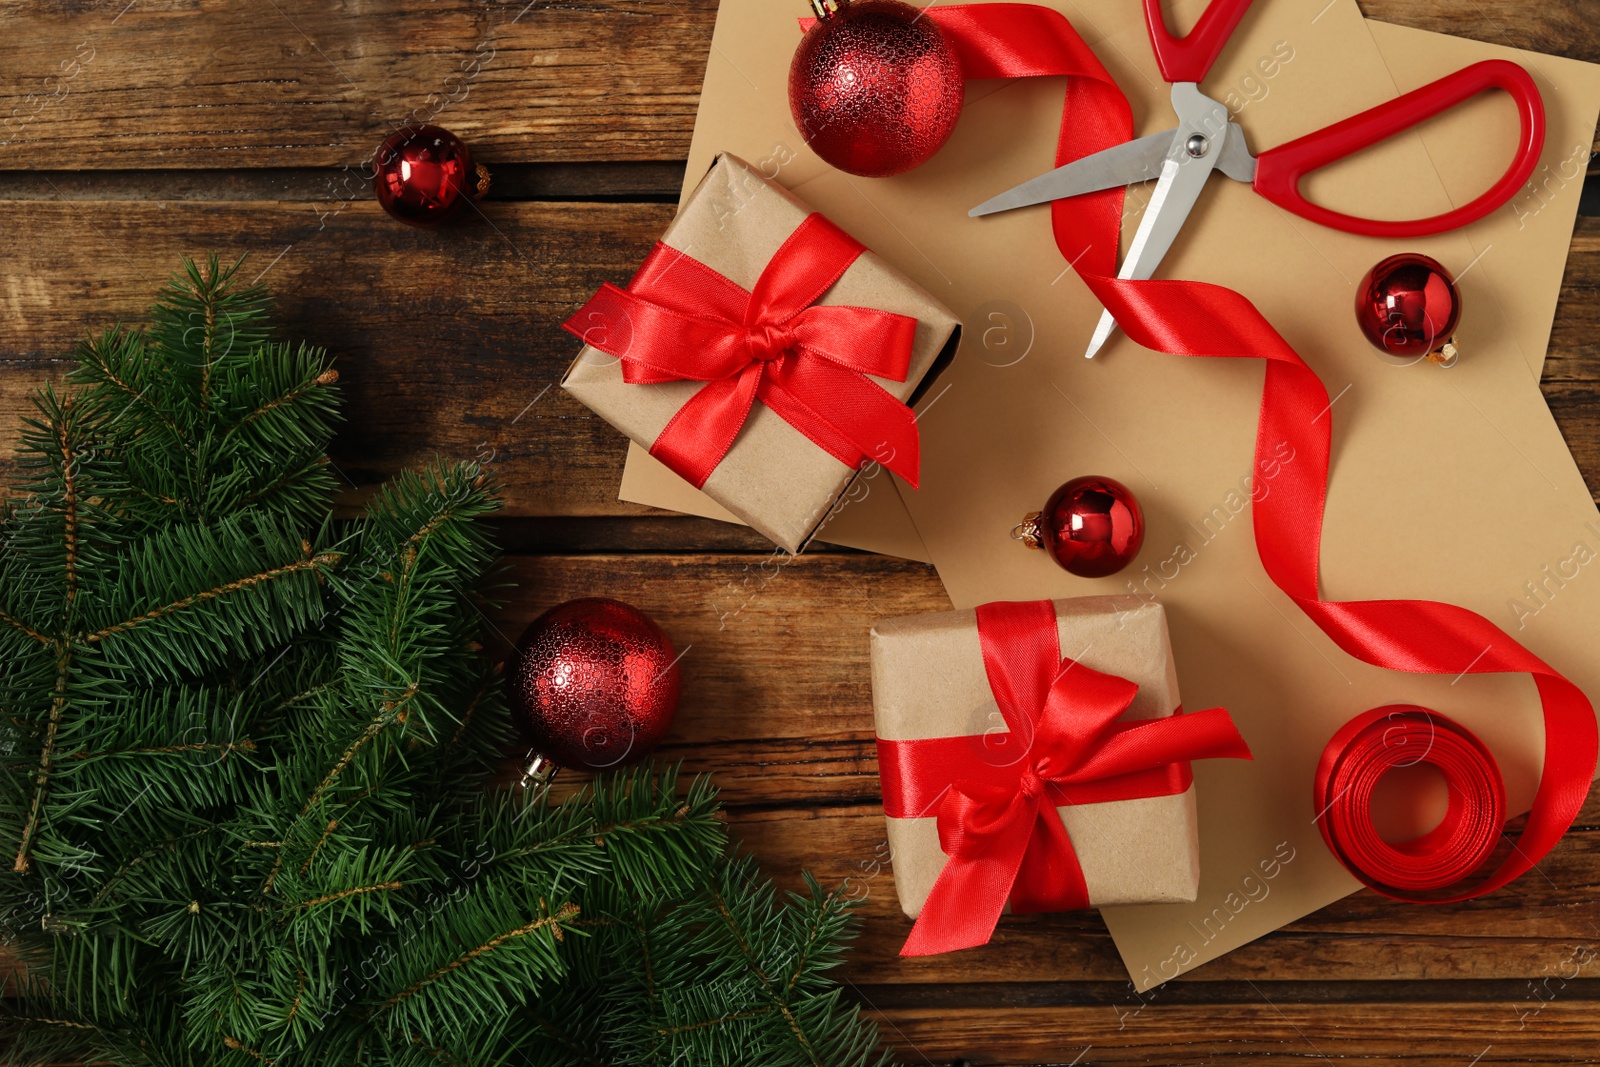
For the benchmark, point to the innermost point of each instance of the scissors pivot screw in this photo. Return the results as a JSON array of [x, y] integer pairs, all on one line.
[[1197, 146]]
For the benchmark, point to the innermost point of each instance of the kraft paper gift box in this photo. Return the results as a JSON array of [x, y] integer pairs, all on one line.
[[929, 680], [773, 477]]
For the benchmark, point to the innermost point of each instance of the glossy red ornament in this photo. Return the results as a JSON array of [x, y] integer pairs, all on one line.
[[594, 684], [424, 175], [1408, 306], [875, 88], [1091, 526]]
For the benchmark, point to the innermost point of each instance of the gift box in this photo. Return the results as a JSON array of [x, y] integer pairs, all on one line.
[[1015, 773], [763, 355]]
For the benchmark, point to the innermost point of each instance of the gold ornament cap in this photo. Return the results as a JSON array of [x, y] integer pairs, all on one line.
[[1028, 531]]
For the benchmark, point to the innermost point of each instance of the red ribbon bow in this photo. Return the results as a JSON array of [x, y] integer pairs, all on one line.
[[997, 794], [679, 320]]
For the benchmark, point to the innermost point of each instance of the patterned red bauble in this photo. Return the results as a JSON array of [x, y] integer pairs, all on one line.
[[1408, 306], [875, 87], [424, 175], [1091, 526], [594, 684]]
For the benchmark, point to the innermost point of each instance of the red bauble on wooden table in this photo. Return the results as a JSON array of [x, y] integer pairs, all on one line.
[[424, 175], [593, 685], [1090, 526], [875, 88], [1408, 306]]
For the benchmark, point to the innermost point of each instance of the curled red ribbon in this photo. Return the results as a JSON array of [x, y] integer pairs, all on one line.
[[679, 320], [1200, 319], [996, 795]]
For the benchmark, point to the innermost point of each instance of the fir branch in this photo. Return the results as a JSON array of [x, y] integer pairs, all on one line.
[[553, 922], [236, 1045], [24, 628], [299, 392], [69, 501], [333, 824], [345, 894], [391, 709], [58, 704], [314, 563], [244, 752]]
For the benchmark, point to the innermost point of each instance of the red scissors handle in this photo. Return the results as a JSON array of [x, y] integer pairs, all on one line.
[[1189, 59], [1279, 171]]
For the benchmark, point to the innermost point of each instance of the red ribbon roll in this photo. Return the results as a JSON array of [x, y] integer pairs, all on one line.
[[1404, 735], [996, 795], [1201, 319], [679, 320]]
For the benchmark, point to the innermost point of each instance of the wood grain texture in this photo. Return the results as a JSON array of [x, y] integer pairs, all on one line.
[[1266, 1032], [273, 83]]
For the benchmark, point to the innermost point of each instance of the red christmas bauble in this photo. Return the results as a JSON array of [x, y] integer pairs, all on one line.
[[1408, 306], [424, 175], [875, 88], [594, 684], [1091, 526]]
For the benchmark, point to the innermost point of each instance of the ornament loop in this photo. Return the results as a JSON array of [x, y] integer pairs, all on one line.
[[1446, 355], [537, 776], [1027, 531]]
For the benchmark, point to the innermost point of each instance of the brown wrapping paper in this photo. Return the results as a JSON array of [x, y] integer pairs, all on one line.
[[773, 477], [928, 680]]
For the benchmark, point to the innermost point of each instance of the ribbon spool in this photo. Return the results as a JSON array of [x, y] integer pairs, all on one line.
[[1404, 735]]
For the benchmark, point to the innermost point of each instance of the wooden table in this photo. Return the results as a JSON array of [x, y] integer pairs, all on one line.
[[136, 131]]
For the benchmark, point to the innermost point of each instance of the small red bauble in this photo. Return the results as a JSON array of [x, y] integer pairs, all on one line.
[[424, 175], [1091, 526], [875, 87], [594, 684], [1408, 306]]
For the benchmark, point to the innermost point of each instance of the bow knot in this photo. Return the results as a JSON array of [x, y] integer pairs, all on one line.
[[767, 341], [679, 320], [1029, 784]]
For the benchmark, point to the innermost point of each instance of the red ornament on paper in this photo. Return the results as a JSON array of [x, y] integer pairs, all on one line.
[[424, 175], [875, 87], [1091, 526], [1408, 306], [594, 684]]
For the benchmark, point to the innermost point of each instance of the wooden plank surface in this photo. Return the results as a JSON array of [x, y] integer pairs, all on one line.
[[311, 83], [137, 131]]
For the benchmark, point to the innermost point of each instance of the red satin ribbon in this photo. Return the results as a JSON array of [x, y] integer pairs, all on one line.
[[996, 795], [1404, 735], [1201, 319], [679, 320]]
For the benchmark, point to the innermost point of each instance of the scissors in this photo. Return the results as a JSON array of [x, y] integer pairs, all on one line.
[[1206, 139]]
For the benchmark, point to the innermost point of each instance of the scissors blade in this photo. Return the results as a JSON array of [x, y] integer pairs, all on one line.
[[1182, 179], [1123, 164]]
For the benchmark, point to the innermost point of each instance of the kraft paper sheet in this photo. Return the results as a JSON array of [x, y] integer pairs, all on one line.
[[1451, 485]]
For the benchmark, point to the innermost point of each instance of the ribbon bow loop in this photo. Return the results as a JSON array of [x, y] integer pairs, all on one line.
[[679, 320], [1082, 702]]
